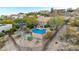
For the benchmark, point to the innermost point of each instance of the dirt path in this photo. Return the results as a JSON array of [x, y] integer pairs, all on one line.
[[51, 45], [9, 46]]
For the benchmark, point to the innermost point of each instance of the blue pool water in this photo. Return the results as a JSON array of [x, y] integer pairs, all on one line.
[[39, 31]]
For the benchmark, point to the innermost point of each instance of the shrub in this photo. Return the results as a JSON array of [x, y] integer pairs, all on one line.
[[29, 38], [46, 26], [2, 42], [2, 34]]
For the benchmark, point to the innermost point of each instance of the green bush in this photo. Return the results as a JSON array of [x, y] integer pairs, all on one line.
[[2, 42], [29, 38], [56, 22], [31, 26], [46, 26], [11, 31], [26, 29], [2, 34]]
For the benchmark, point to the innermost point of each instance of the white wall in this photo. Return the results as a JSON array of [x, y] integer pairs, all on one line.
[[5, 27]]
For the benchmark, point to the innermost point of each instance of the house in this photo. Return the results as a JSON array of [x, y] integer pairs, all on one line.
[[5, 27], [58, 12], [15, 16], [43, 20], [44, 13], [21, 15], [2, 17]]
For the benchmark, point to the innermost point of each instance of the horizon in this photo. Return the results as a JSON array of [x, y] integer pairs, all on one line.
[[16, 10]]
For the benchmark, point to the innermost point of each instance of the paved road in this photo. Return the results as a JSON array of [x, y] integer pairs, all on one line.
[[52, 45]]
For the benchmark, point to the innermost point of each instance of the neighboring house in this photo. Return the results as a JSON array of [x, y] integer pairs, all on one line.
[[61, 12], [46, 12], [15, 16], [43, 20], [58, 12], [5, 27], [21, 15], [2, 17]]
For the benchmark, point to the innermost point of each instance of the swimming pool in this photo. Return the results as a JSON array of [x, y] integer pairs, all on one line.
[[39, 31]]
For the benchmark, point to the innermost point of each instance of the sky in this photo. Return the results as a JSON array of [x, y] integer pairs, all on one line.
[[40, 3], [30, 4], [15, 10]]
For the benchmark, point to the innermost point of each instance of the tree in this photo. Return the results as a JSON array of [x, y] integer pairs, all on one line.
[[56, 22], [31, 21], [19, 20], [8, 21], [32, 14]]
